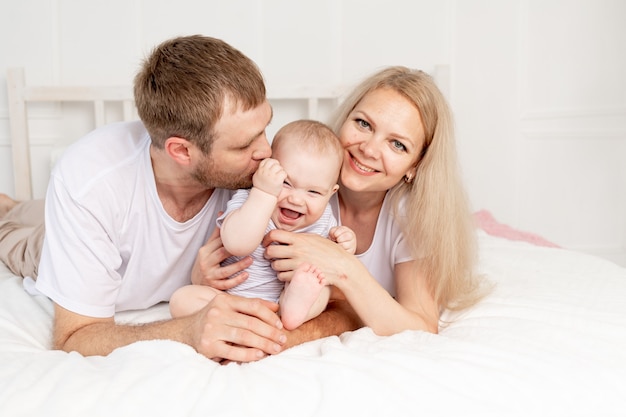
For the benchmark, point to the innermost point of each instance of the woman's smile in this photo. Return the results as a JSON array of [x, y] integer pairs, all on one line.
[[359, 167]]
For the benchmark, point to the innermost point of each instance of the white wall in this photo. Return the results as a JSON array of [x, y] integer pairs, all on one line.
[[537, 86]]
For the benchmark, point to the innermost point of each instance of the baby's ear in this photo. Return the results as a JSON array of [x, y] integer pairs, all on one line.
[[335, 188]]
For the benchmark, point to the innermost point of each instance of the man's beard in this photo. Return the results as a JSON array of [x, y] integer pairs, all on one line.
[[211, 177]]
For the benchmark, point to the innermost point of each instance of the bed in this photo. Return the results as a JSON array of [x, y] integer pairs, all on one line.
[[549, 340]]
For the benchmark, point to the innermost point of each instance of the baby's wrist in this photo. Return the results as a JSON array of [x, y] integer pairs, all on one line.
[[261, 193]]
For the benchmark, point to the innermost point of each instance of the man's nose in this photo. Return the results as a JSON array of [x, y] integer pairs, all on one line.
[[263, 149]]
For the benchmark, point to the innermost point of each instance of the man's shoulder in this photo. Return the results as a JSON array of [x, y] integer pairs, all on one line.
[[116, 150], [112, 140], [116, 134]]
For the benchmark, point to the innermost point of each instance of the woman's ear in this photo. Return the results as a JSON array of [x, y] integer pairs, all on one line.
[[178, 149], [410, 175]]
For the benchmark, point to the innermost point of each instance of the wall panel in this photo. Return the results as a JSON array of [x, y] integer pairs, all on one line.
[[573, 125], [395, 32], [536, 86]]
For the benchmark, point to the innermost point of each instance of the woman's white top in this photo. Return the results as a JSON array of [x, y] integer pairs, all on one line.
[[388, 247]]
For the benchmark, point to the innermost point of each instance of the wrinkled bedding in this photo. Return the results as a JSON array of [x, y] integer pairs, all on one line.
[[550, 340]]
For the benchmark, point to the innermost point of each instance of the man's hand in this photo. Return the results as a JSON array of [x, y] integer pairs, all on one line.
[[229, 328], [237, 329], [207, 269]]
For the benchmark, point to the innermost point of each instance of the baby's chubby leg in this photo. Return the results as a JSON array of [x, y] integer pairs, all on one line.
[[190, 299], [304, 297]]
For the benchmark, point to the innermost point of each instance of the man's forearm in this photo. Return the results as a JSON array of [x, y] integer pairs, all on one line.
[[229, 327], [339, 317], [100, 339], [100, 336]]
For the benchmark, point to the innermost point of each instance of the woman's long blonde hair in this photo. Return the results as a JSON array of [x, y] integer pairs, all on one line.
[[436, 218]]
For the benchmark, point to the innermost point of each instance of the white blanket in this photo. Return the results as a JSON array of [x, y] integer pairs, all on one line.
[[550, 340]]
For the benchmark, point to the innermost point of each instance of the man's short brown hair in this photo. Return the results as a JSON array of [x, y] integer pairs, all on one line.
[[181, 88]]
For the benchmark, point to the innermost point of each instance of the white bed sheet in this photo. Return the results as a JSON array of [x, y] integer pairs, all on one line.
[[550, 340]]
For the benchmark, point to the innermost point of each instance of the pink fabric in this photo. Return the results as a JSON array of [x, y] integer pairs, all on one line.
[[486, 221]]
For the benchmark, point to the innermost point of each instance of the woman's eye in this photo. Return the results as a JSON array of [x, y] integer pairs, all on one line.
[[399, 145], [362, 123]]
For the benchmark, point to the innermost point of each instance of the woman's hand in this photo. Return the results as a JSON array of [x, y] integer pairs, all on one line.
[[295, 248], [207, 269], [414, 308]]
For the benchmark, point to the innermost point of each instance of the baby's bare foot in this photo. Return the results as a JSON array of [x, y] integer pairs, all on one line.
[[300, 295], [6, 204]]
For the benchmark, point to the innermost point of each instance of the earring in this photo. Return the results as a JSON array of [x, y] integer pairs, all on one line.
[[408, 178]]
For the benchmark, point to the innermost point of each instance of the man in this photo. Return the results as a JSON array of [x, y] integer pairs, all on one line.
[[131, 208]]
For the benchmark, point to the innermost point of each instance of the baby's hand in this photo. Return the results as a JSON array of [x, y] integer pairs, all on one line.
[[269, 177], [344, 237]]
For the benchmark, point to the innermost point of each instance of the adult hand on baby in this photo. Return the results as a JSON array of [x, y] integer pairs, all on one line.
[[269, 177], [296, 248], [207, 269], [236, 329]]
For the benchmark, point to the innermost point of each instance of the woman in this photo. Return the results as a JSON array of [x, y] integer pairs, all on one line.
[[401, 192]]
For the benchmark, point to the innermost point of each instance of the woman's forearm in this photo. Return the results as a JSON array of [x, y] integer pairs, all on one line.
[[378, 310], [384, 315], [414, 308]]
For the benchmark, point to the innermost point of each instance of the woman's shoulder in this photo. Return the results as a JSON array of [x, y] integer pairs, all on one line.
[[395, 205]]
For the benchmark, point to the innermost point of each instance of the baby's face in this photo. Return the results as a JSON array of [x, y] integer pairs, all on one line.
[[311, 181]]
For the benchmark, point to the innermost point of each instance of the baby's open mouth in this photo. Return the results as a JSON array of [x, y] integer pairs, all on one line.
[[290, 214]]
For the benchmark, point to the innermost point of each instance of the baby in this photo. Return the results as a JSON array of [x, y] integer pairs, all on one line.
[[291, 192]]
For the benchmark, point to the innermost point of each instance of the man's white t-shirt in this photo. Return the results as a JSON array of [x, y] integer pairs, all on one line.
[[388, 247], [109, 244]]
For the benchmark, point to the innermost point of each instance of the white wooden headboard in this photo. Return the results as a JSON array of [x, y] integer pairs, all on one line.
[[20, 95]]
